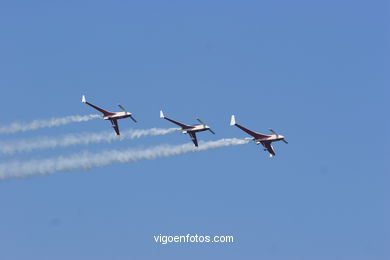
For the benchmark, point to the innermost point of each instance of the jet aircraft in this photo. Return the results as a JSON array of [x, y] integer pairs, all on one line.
[[265, 140], [191, 130], [112, 116]]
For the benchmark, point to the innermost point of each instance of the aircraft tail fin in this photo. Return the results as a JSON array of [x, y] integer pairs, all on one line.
[[162, 114], [83, 99], [233, 120]]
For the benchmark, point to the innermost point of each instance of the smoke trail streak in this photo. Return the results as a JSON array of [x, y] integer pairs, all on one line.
[[26, 145], [86, 160], [43, 123]]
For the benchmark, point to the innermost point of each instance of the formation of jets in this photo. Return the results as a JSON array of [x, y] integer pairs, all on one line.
[[191, 130]]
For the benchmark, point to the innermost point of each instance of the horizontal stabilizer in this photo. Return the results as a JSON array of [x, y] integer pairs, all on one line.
[[200, 121], [122, 108], [132, 118], [233, 120]]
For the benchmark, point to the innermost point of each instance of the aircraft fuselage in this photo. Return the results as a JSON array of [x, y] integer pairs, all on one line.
[[195, 128], [271, 138], [117, 115]]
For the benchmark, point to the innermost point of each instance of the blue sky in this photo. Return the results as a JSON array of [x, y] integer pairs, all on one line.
[[313, 71]]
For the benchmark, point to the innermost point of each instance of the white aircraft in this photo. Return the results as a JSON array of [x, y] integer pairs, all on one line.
[[112, 116], [265, 140], [190, 129]]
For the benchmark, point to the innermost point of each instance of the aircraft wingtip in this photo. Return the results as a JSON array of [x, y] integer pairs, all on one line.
[[233, 120]]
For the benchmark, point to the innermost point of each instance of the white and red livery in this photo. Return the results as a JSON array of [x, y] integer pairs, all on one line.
[[259, 138], [190, 129], [112, 116]]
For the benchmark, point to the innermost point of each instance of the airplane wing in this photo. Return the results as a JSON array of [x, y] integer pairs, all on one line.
[[105, 112], [193, 138], [114, 123], [269, 148], [178, 123], [254, 134]]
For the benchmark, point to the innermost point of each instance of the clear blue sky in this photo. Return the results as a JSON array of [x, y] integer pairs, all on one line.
[[312, 70]]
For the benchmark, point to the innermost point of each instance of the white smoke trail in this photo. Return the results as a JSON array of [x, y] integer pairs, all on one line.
[[86, 160], [40, 143], [16, 127]]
